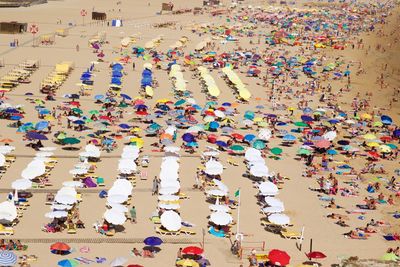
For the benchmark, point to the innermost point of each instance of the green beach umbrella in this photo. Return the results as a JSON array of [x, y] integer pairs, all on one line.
[[92, 112], [71, 141], [300, 124], [77, 110], [180, 102], [389, 257], [68, 263], [259, 144], [237, 148], [392, 146], [303, 151], [276, 151], [61, 136]]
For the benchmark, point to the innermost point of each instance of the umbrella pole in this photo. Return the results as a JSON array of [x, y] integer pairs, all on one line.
[[238, 217], [310, 247]]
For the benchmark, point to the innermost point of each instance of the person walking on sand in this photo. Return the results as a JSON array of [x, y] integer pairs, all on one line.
[[77, 48], [132, 211], [155, 186]]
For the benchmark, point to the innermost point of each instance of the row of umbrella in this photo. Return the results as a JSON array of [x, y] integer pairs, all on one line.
[[241, 88], [178, 81], [209, 83]]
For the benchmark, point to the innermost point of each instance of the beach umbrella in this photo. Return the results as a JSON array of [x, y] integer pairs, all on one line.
[[192, 250], [221, 208], [369, 136], [273, 209], [221, 218], [259, 144], [323, 143], [187, 137], [36, 136], [315, 255], [273, 202], [279, 219], [171, 220], [276, 151], [187, 263], [114, 216], [278, 257], [216, 192], [249, 137], [267, 187], [306, 118], [264, 134], [386, 119], [124, 96], [180, 102], [21, 184], [300, 124], [56, 214], [8, 211], [7, 258], [237, 148], [70, 141], [332, 152], [68, 263], [118, 261], [60, 248], [152, 241], [289, 137]]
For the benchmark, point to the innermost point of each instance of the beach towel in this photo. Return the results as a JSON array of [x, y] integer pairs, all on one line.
[[84, 260], [363, 207], [100, 260]]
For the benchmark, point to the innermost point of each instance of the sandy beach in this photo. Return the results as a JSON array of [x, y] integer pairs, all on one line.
[[302, 82]]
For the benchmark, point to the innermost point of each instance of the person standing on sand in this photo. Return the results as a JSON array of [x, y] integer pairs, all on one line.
[[77, 48], [155, 186], [132, 211]]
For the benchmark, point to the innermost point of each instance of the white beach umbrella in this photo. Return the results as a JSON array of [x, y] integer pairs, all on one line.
[[172, 149], [117, 198], [170, 183], [67, 191], [273, 202], [60, 207], [21, 184], [124, 185], [168, 198], [213, 167], [273, 209], [118, 207], [267, 187], [56, 214], [280, 219], [171, 220], [264, 134], [75, 184], [119, 261], [2, 160], [221, 186], [221, 218], [330, 136], [114, 216], [216, 192], [8, 211], [169, 206], [78, 171], [168, 190], [211, 153], [221, 208], [259, 170], [65, 199], [252, 154]]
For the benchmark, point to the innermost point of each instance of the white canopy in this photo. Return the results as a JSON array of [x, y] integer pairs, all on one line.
[[115, 217], [280, 219], [21, 184], [221, 218], [171, 220], [8, 211]]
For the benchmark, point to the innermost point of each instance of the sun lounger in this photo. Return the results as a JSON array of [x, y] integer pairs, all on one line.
[[100, 181], [161, 231], [6, 230], [155, 220], [71, 230], [187, 231], [288, 234]]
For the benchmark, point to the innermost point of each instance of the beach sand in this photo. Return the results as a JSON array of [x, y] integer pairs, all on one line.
[[301, 204]]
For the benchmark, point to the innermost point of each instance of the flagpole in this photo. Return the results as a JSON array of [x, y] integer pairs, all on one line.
[[238, 214]]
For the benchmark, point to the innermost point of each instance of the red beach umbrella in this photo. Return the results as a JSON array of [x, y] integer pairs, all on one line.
[[278, 257], [192, 250], [60, 246], [323, 143], [237, 136], [316, 255]]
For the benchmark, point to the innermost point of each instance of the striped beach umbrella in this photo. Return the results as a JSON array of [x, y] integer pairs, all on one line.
[[7, 258]]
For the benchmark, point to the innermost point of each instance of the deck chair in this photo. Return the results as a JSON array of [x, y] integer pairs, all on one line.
[[71, 230], [231, 161], [186, 231], [155, 220], [289, 234], [166, 232], [6, 230]]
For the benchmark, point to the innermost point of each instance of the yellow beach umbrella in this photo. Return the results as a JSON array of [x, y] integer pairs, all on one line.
[[187, 263], [372, 144], [163, 100], [49, 118], [366, 116], [139, 141], [384, 149], [369, 136]]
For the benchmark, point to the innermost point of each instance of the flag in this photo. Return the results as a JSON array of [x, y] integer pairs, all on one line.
[[237, 193]]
